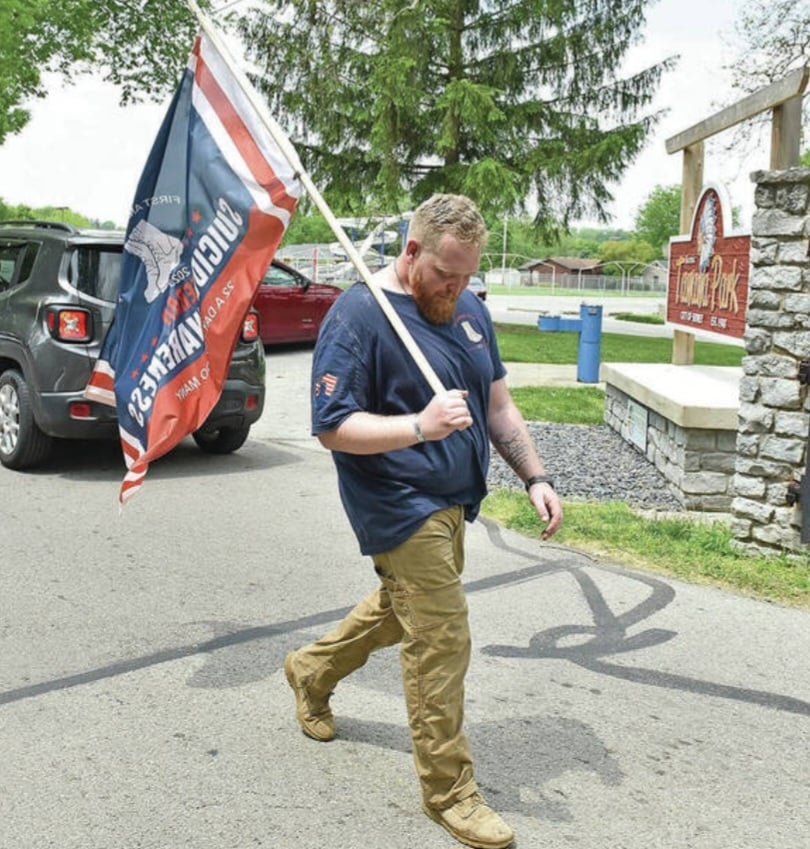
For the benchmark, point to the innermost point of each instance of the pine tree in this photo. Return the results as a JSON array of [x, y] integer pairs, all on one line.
[[508, 101]]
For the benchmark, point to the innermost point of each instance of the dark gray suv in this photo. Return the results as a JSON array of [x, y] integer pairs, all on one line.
[[58, 287]]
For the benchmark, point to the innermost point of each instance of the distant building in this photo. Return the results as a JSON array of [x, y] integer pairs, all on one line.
[[503, 277], [559, 270], [656, 274]]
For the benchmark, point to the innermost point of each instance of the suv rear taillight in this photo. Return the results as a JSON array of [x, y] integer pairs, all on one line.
[[69, 324], [250, 327], [80, 410]]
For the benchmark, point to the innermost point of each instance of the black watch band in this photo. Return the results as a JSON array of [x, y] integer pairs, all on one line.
[[539, 479]]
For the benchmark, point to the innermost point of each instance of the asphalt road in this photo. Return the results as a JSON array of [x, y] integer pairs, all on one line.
[[143, 702]]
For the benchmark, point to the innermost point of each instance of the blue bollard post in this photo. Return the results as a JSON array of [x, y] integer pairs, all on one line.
[[590, 343]]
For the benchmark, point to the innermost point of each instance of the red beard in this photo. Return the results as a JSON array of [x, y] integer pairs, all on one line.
[[437, 309]]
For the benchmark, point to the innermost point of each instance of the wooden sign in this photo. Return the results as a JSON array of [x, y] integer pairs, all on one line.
[[709, 270]]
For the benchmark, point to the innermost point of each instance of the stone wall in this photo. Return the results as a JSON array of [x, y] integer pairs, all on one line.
[[698, 462], [773, 415]]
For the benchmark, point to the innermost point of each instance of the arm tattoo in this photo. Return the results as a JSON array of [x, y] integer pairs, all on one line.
[[512, 447]]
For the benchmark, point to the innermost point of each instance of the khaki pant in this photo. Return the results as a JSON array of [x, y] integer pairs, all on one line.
[[421, 605]]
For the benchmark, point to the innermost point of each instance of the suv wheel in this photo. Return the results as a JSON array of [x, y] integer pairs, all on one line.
[[223, 441], [22, 443]]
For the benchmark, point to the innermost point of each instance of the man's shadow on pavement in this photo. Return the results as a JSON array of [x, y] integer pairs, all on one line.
[[514, 758]]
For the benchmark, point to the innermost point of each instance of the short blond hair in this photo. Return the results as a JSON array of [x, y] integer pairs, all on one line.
[[443, 214]]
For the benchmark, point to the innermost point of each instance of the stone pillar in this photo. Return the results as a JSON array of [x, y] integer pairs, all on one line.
[[774, 406]]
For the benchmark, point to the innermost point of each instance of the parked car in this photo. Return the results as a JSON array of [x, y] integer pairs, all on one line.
[[58, 288], [478, 286], [291, 307]]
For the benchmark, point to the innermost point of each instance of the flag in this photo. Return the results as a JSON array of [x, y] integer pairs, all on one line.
[[211, 206]]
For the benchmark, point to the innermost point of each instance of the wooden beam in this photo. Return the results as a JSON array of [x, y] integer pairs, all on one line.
[[786, 134], [790, 86], [691, 183], [683, 342], [683, 348]]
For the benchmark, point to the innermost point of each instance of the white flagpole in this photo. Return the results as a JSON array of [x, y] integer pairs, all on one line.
[[291, 156]]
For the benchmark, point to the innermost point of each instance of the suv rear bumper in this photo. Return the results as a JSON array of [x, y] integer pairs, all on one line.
[[239, 404], [53, 417], [233, 409]]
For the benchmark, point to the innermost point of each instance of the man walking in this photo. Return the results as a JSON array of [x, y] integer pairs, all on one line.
[[412, 466]]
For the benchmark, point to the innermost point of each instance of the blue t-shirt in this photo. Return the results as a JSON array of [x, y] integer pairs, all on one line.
[[360, 364]]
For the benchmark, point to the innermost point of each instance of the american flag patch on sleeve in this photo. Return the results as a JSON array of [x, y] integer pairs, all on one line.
[[327, 384]]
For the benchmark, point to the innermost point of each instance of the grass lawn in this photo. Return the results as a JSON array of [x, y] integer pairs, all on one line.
[[524, 344], [566, 405], [685, 548], [695, 551], [639, 318]]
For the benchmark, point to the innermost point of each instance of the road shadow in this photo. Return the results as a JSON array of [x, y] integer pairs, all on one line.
[[102, 460], [237, 654], [515, 758]]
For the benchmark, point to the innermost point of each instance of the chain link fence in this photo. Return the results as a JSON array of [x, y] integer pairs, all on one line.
[[327, 264]]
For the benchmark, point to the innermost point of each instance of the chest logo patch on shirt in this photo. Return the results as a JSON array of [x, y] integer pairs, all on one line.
[[472, 334]]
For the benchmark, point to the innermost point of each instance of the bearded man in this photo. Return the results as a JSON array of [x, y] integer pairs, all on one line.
[[412, 467]]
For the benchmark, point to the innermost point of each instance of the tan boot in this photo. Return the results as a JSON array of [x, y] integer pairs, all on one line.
[[313, 712], [473, 822]]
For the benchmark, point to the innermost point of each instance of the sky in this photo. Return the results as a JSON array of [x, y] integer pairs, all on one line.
[[83, 151]]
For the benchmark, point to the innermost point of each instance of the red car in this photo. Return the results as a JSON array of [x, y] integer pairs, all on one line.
[[291, 307]]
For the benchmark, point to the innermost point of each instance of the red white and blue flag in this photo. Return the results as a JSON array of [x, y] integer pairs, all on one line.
[[211, 207]]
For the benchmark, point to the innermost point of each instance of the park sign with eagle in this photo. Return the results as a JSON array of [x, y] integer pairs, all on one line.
[[709, 270]]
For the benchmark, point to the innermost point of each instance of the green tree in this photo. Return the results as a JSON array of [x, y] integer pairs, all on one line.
[[503, 100], [12, 213], [577, 243], [601, 234], [521, 239], [140, 45], [21, 212], [307, 227], [628, 255], [659, 217]]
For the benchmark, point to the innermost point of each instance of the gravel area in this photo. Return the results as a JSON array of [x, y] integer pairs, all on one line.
[[593, 463]]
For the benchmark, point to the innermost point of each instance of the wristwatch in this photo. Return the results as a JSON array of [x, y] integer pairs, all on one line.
[[539, 479]]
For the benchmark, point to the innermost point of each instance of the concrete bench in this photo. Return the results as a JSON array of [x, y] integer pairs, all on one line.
[[684, 419]]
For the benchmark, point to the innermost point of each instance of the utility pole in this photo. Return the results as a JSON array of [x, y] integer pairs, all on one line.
[[503, 257]]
